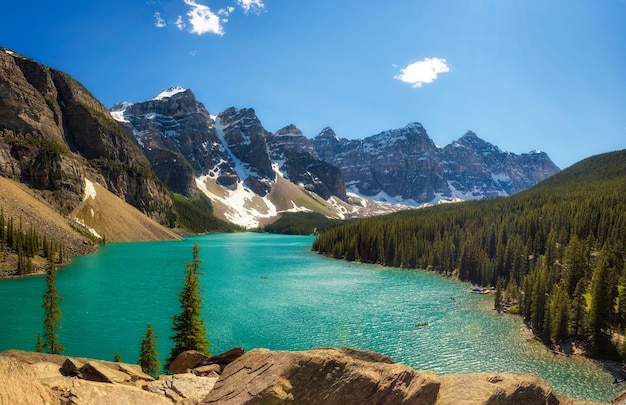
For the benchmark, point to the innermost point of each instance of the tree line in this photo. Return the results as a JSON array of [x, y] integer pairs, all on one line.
[[26, 244], [557, 250]]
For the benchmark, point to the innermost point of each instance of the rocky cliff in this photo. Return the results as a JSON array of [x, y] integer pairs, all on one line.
[[404, 165], [320, 376], [54, 134]]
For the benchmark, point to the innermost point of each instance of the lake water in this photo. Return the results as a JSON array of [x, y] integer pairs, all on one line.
[[271, 291]]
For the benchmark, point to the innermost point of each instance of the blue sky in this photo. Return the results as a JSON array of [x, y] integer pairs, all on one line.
[[522, 74]]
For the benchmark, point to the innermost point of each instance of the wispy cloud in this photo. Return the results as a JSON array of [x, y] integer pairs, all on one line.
[[203, 20], [424, 71], [180, 23], [251, 5], [160, 22]]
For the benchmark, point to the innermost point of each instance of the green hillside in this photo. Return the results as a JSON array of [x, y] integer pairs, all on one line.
[[556, 250]]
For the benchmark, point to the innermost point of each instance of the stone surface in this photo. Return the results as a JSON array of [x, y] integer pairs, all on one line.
[[97, 371], [20, 385], [182, 388], [328, 376]]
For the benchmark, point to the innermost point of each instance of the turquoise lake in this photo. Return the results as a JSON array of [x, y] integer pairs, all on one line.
[[271, 291]]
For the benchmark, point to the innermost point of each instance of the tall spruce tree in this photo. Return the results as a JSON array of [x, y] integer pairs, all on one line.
[[52, 312], [188, 327], [148, 360]]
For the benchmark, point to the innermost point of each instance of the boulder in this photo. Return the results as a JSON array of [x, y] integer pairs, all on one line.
[[100, 372], [188, 360], [71, 367], [191, 359], [495, 389], [205, 371]]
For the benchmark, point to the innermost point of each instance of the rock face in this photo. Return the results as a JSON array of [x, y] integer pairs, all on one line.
[[53, 134], [183, 141], [405, 165]]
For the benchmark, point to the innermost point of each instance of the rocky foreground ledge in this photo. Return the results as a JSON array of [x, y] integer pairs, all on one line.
[[320, 376]]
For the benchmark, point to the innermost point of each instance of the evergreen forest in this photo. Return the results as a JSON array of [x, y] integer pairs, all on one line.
[[21, 249], [556, 251]]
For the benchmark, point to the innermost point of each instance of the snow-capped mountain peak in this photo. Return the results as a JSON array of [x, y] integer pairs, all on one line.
[[169, 93]]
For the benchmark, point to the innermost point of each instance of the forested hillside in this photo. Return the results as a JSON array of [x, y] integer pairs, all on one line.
[[557, 251]]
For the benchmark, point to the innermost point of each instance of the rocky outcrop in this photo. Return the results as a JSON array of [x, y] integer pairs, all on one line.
[[53, 134], [347, 376], [320, 376]]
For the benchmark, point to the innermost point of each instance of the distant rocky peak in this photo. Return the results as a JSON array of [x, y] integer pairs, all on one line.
[[290, 130], [471, 140], [172, 91], [121, 106], [237, 117], [327, 133]]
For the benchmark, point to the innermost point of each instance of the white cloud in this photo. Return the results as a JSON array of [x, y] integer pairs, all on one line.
[[180, 23], [424, 71], [248, 5], [226, 11], [160, 22], [203, 20]]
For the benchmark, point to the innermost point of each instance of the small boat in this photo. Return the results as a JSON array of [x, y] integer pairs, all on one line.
[[419, 325]]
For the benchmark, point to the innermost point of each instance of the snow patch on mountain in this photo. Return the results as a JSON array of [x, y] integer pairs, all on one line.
[[169, 93], [90, 190]]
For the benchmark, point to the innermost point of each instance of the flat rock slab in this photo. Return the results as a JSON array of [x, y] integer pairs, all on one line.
[[99, 372]]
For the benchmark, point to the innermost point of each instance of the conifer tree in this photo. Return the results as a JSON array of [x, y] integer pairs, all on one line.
[[52, 312], [188, 327], [39, 344], [148, 353], [602, 303]]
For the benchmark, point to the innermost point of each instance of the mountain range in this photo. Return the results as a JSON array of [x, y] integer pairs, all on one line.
[[240, 164], [163, 156]]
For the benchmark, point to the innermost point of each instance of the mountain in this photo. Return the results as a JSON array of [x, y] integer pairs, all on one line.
[[405, 165], [252, 175], [68, 173], [54, 135]]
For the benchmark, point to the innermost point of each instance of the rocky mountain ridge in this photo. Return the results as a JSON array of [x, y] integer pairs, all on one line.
[[231, 154]]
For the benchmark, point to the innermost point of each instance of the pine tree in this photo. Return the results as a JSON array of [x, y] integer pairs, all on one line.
[[188, 327], [601, 308], [39, 344], [148, 360], [52, 312]]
